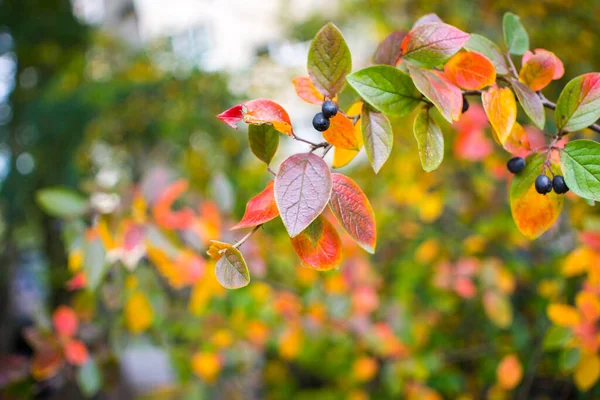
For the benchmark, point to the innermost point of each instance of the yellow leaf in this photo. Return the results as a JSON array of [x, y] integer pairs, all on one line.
[[509, 372], [587, 371], [579, 261], [427, 251], [501, 109], [138, 313], [563, 315], [206, 365], [290, 343], [365, 368]]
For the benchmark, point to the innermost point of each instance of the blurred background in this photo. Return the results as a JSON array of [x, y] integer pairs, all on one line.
[[112, 104]]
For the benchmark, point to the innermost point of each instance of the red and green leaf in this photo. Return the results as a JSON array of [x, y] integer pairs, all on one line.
[[322, 254], [260, 209], [470, 70], [431, 44], [446, 96], [302, 191], [578, 105]]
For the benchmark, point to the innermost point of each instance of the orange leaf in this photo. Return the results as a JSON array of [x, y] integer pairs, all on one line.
[[509, 372], [260, 209], [501, 109], [206, 365], [470, 70], [540, 69], [164, 216], [341, 132], [258, 112], [321, 253], [307, 91], [517, 142], [217, 249], [65, 321], [353, 211], [76, 353], [342, 157]]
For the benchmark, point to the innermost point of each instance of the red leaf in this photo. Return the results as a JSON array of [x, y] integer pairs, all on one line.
[[65, 322], [260, 209], [307, 91], [232, 116], [325, 253], [258, 112], [353, 211]]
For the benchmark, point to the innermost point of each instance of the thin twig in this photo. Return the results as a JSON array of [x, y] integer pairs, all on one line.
[[552, 106], [243, 240], [327, 150]]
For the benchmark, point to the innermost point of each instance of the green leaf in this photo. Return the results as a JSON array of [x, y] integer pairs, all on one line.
[[386, 88], [264, 140], [231, 270], [61, 202], [89, 378], [329, 60], [378, 137], [94, 263], [568, 359], [580, 163], [556, 337], [429, 139], [515, 35], [578, 105], [489, 49], [531, 103]]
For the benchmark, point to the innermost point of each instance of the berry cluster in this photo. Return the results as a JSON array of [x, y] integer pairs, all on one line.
[[543, 184], [321, 120]]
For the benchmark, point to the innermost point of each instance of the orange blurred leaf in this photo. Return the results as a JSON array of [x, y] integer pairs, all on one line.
[[260, 209], [322, 253], [306, 90], [164, 216], [76, 353], [65, 321], [501, 109], [470, 70], [509, 372]]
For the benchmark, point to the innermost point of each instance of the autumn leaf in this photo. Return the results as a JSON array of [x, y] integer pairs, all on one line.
[[587, 371], [167, 218], [470, 70], [302, 190], [76, 353], [445, 95], [489, 49], [389, 50], [260, 209], [431, 44], [138, 313], [540, 69], [517, 142], [501, 109], [353, 211], [530, 101], [216, 249], [341, 132], [563, 315], [509, 372], [325, 253], [578, 105], [46, 364], [65, 321], [533, 213], [342, 157], [257, 112], [307, 91]]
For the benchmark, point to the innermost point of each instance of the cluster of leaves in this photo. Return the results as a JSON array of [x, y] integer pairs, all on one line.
[[433, 66]]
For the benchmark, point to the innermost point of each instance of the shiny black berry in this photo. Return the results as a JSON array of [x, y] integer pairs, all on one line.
[[543, 184], [465, 105], [559, 185], [329, 109], [516, 165], [320, 123]]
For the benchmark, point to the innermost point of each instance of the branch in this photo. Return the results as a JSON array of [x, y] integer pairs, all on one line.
[[248, 235]]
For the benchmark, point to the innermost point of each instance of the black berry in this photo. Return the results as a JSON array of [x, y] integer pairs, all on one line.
[[465, 105], [516, 165], [543, 184], [320, 123], [559, 185], [329, 109]]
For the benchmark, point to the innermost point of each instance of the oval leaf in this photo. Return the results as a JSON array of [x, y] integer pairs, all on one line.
[[539, 70], [341, 132], [533, 213], [531, 103], [515, 35], [353, 211], [429, 139], [389, 50], [61, 202], [446, 96], [485, 46], [387, 89], [231, 270], [578, 105], [470, 71], [580, 163], [501, 109], [258, 112], [323, 254], [302, 190], [329, 60], [431, 44], [260, 209], [264, 140], [307, 91], [341, 157], [378, 137]]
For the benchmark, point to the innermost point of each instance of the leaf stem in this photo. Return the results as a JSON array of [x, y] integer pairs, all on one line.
[[248, 235]]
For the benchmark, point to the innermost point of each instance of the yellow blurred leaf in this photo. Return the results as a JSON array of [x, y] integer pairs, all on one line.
[[579, 261], [138, 313], [206, 365], [563, 315], [587, 371]]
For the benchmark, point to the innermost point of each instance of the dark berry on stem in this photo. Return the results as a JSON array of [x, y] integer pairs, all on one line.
[[465, 105], [329, 109], [543, 184], [559, 185], [516, 165], [320, 123]]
